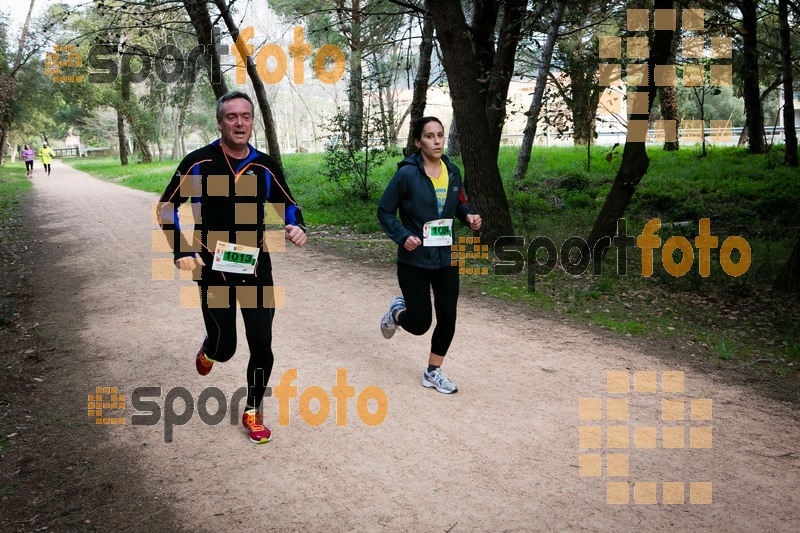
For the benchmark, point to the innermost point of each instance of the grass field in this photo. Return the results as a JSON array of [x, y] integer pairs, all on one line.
[[737, 321], [14, 188]]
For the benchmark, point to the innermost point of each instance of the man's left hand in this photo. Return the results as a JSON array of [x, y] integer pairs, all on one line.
[[296, 235]]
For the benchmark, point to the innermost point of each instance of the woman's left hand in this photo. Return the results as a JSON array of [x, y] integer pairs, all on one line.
[[474, 222]]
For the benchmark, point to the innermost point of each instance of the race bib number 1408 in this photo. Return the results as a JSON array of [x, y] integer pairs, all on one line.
[[438, 232]]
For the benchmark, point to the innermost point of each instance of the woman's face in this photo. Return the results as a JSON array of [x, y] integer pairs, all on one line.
[[431, 142]]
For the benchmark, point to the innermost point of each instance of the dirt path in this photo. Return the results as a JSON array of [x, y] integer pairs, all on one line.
[[502, 454]]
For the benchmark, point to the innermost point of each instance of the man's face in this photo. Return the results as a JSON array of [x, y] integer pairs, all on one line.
[[236, 125]]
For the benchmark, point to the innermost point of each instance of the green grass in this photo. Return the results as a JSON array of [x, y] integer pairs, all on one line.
[[740, 193], [14, 188], [151, 177], [322, 201], [14, 185]]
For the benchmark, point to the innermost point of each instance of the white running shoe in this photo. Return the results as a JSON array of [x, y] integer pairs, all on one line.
[[439, 381], [388, 324]]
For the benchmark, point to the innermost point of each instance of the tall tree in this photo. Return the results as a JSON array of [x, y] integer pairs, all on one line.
[[529, 133], [752, 102], [478, 75], [667, 93], [26, 49], [788, 279], [360, 26], [273, 146], [635, 161], [355, 89], [578, 85], [206, 37], [421, 80], [789, 131], [453, 143]]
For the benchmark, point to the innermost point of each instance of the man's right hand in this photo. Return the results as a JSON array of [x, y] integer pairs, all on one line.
[[189, 263]]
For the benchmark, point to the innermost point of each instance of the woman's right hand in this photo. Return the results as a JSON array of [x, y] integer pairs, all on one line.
[[412, 243]]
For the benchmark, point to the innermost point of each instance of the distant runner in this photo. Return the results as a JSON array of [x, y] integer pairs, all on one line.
[[27, 156], [46, 154]]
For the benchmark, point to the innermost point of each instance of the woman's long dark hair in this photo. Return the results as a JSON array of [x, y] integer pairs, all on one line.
[[419, 125]]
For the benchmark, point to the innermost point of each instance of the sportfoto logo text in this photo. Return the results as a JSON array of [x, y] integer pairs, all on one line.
[[170, 64], [212, 405], [511, 255]]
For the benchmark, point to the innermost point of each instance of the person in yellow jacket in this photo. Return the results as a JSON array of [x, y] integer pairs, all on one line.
[[46, 154]]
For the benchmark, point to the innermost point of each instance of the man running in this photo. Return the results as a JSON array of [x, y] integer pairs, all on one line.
[[228, 183]]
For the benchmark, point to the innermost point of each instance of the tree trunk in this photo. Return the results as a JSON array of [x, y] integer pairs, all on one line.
[[3, 137], [123, 142], [160, 132], [391, 115], [789, 131], [529, 134], [634, 156], [312, 119], [178, 150], [9, 84], [123, 113], [743, 137], [144, 148], [669, 111], [384, 112], [270, 129], [7, 95], [453, 144], [666, 93], [203, 29], [752, 102], [355, 87], [482, 177], [5, 120], [788, 279], [420, 98], [584, 111], [503, 68], [176, 142]]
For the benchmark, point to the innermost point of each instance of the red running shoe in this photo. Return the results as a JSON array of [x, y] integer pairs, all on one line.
[[259, 433], [202, 362]]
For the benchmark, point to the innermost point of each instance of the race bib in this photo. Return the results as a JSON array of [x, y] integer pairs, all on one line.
[[235, 258], [438, 232]]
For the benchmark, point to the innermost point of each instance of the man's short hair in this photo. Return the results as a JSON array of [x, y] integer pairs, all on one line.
[[232, 95]]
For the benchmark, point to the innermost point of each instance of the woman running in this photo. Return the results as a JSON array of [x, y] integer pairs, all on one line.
[[27, 156], [427, 190]]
